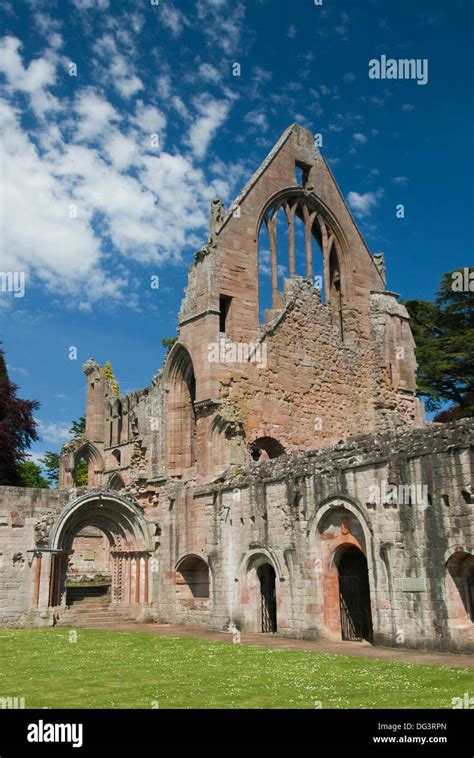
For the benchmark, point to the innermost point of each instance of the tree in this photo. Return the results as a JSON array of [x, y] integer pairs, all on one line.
[[31, 475], [444, 337], [78, 428], [17, 428], [81, 473], [50, 462], [168, 342]]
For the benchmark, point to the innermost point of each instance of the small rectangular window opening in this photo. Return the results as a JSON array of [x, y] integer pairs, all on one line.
[[302, 173], [224, 308]]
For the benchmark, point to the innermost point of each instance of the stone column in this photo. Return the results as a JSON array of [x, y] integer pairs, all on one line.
[[145, 588], [271, 226], [309, 220], [290, 216], [37, 580], [137, 579]]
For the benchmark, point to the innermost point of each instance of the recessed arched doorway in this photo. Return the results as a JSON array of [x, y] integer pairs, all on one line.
[[99, 550], [354, 595], [266, 575]]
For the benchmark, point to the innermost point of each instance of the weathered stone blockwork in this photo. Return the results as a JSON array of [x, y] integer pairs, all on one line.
[[274, 476]]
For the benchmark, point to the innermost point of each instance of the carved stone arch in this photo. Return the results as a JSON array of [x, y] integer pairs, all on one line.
[[193, 577], [253, 553], [459, 582], [89, 452], [129, 541], [340, 535], [265, 448], [260, 577], [116, 419], [293, 194], [340, 501], [109, 506], [116, 482], [180, 418], [319, 223]]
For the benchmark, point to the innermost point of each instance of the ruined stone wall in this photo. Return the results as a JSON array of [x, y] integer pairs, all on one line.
[[298, 511], [26, 516]]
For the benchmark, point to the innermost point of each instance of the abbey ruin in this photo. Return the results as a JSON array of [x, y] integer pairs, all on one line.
[[278, 474]]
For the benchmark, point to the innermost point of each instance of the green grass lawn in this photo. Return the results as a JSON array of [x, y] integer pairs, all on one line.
[[141, 670]]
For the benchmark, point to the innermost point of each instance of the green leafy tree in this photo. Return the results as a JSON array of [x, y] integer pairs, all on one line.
[[444, 336], [17, 428], [81, 473], [168, 343], [78, 428], [31, 475], [50, 463], [50, 460]]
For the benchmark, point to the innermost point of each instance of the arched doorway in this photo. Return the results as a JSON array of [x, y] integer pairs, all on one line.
[[259, 592], [100, 547], [266, 575], [460, 589], [88, 581], [354, 595]]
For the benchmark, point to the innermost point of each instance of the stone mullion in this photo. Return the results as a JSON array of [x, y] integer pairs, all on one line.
[[271, 226], [290, 217], [326, 250], [309, 220]]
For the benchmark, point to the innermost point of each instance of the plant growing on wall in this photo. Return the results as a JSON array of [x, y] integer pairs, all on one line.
[[111, 377]]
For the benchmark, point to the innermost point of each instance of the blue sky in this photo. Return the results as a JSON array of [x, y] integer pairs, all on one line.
[[92, 209]]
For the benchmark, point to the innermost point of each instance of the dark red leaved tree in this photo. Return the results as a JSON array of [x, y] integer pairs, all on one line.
[[17, 427]]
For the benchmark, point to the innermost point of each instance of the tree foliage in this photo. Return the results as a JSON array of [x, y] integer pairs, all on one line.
[[81, 473], [444, 337], [168, 343], [78, 428], [17, 428], [108, 372], [50, 463], [31, 475], [50, 460]]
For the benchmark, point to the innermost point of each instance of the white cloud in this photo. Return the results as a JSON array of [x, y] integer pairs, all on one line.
[[258, 119], [38, 231], [407, 107], [116, 68], [32, 80], [209, 73], [53, 431], [360, 138], [121, 150], [128, 85], [222, 23], [362, 205], [400, 180], [18, 370], [85, 195], [86, 5], [150, 121], [172, 18], [95, 114], [212, 114]]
